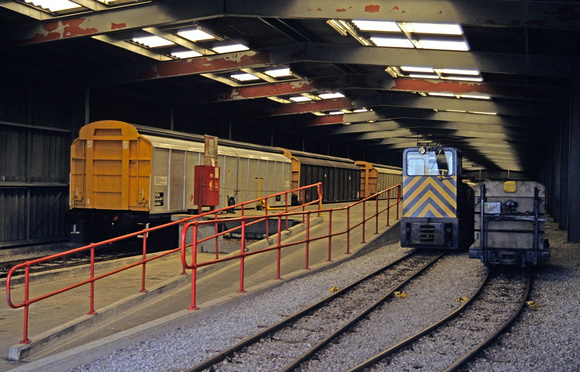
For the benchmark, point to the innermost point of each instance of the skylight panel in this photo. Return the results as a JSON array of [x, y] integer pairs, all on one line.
[[441, 94], [196, 35], [229, 48], [417, 69], [244, 77], [331, 95], [432, 28], [459, 45], [380, 26], [55, 5], [186, 54], [153, 41], [278, 72], [458, 71], [300, 99], [424, 76], [392, 42], [475, 96], [464, 78]]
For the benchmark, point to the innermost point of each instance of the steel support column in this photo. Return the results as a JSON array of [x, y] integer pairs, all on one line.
[[574, 159]]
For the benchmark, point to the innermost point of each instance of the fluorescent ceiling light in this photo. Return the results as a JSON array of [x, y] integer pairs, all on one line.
[[186, 54], [55, 5], [335, 113], [441, 94], [244, 77], [195, 35], [432, 28], [475, 96], [331, 95], [384, 26], [464, 78], [230, 48], [279, 72], [392, 42], [360, 110], [417, 69], [300, 99], [459, 71], [482, 112], [153, 41], [424, 76], [460, 45]]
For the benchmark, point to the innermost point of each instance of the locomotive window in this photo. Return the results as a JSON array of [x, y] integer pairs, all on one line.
[[433, 163]]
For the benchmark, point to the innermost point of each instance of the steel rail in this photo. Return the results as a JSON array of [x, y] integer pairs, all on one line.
[[356, 319], [297, 316], [467, 356], [500, 330]]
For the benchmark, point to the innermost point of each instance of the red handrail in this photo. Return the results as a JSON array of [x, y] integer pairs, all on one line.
[[92, 248], [278, 246]]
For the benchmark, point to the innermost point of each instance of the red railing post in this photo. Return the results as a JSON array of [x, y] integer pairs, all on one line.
[[193, 264], [389, 207], [92, 295], [303, 203], [242, 255], [25, 339], [307, 240], [144, 265], [266, 220], [364, 220], [330, 235], [216, 237], [377, 214], [348, 230], [279, 247]]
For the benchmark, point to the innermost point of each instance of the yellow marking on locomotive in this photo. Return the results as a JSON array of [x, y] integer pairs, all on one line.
[[429, 181], [425, 194], [429, 196]]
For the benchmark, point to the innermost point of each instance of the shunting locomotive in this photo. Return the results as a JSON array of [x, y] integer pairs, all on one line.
[[509, 224], [437, 205]]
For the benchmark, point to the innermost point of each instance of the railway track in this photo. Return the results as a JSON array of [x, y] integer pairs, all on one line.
[[287, 344], [458, 337]]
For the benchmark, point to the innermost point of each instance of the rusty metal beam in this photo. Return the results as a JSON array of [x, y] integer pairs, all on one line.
[[308, 107], [385, 82], [153, 14], [201, 65], [489, 13], [482, 13]]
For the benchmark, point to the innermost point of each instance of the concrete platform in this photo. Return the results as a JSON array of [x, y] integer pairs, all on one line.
[[60, 326]]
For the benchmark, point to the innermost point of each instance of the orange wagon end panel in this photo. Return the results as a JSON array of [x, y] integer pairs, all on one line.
[[111, 167]]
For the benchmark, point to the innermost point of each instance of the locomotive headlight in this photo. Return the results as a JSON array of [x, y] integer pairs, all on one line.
[[422, 150]]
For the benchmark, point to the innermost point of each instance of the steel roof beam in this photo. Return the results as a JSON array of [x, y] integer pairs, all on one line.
[[385, 82], [167, 12], [482, 13], [484, 62], [151, 14]]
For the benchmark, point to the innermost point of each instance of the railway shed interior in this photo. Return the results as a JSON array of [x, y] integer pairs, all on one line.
[[323, 82], [360, 80]]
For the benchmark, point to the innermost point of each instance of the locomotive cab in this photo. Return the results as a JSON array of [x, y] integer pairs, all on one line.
[[437, 206]]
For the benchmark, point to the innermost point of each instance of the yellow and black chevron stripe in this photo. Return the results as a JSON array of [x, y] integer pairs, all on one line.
[[428, 196]]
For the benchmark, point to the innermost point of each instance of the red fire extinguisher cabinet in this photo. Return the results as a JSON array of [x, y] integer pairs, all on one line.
[[206, 191]]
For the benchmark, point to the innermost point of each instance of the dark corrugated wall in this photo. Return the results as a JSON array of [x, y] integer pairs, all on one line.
[[37, 119]]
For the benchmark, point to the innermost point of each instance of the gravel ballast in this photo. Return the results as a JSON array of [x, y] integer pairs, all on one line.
[[542, 339]]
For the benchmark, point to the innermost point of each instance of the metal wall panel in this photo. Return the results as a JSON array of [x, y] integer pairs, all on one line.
[[33, 184]]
